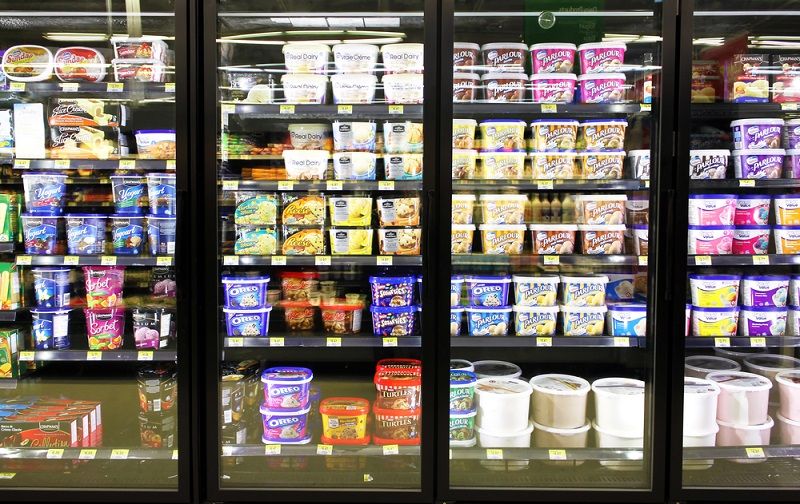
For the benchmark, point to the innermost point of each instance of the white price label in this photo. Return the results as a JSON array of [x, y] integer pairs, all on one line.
[[272, 449], [119, 454], [324, 449], [549, 108], [557, 454], [345, 109], [322, 260], [230, 185], [702, 260], [391, 449], [108, 260], [285, 185], [71, 260], [551, 260]]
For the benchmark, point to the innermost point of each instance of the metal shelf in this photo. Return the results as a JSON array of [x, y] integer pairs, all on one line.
[[129, 90], [742, 342], [99, 355], [743, 184], [297, 340], [321, 185], [741, 452], [743, 260], [549, 260], [105, 260], [89, 453], [234, 260], [10, 315], [546, 341], [628, 454], [741, 110], [525, 110], [311, 450], [7, 247], [290, 112], [95, 164], [552, 185]]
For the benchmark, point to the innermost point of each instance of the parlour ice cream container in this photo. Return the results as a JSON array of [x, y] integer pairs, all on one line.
[[551, 135], [758, 163], [462, 390], [710, 240], [743, 399], [619, 404], [601, 165], [502, 404], [464, 164], [535, 320], [752, 210], [553, 87], [503, 135], [465, 55], [466, 86], [602, 88], [583, 320], [603, 134], [708, 163], [504, 56], [553, 239], [762, 321], [503, 165], [765, 290], [598, 57], [554, 166], [793, 163], [488, 321], [762, 133], [535, 290], [789, 393], [699, 405], [552, 58], [503, 208], [456, 287], [712, 209], [588, 290], [699, 366], [504, 87], [559, 400], [791, 134]]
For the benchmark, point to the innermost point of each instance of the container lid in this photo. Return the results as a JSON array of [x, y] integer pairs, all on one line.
[[310, 45], [478, 309], [524, 432], [759, 152], [503, 121], [392, 280], [344, 406], [503, 386], [786, 196], [465, 121], [627, 307], [504, 76], [398, 363], [764, 426], [563, 432], [159, 217], [697, 276], [607, 76], [584, 309], [553, 227], [466, 45], [571, 122], [601, 45], [287, 374], [264, 410], [720, 309], [465, 152], [397, 378], [769, 362], [460, 378], [560, 384], [712, 196], [266, 309], [551, 279], [602, 197], [300, 441], [600, 153], [56, 311], [554, 76], [536, 309], [496, 368], [790, 378], [553, 45], [461, 365], [698, 386], [584, 278], [393, 309], [767, 309], [763, 120], [355, 76], [488, 279], [709, 152], [752, 228], [607, 227], [404, 46], [295, 304], [787, 228], [504, 45], [466, 75], [739, 380], [86, 215], [781, 418], [250, 279], [618, 386], [502, 227], [456, 279]]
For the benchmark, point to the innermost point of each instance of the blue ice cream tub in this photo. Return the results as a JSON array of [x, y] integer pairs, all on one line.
[[50, 328], [245, 292], [488, 290], [40, 233], [627, 319], [129, 193], [161, 233], [127, 234], [455, 321], [86, 233], [488, 320], [247, 323], [51, 287], [393, 320], [44, 192], [392, 291], [161, 193]]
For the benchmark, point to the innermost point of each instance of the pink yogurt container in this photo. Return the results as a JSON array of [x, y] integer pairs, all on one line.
[[752, 210], [750, 240], [731, 434], [788, 430], [599, 57], [711, 209], [793, 163], [710, 240], [553, 88], [103, 285], [602, 88], [552, 58], [744, 397], [789, 392]]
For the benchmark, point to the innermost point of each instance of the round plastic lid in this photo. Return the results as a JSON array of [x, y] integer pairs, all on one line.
[[618, 386], [461, 378], [739, 380], [708, 363], [496, 368], [790, 378], [503, 386], [699, 386], [287, 374], [560, 384], [771, 361]]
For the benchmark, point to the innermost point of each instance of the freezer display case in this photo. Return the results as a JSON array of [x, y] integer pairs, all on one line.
[[321, 219], [738, 193], [90, 383], [558, 114]]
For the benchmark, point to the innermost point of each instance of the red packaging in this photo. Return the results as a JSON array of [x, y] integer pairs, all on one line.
[[39, 433], [82, 64], [786, 88], [399, 364], [398, 389], [397, 427]]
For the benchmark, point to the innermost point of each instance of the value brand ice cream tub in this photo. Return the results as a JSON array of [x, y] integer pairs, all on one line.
[[559, 400], [583, 320], [752, 210], [502, 404], [602, 88], [743, 399], [749, 240], [710, 240], [762, 133], [714, 291], [712, 209], [552, 58], [535, 290], [535, 320], [787, 209], [765, 290], [708, 163], [627, 319], [787, 239], [619, 404], [793, 163], [488, 321], [553, 135], [758, 163], [403, 58], [553, 87], [762, 321], [600, 57], [553, 239], [715, 322]]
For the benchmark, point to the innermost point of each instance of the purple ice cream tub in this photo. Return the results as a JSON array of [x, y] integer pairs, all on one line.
[[286, 388], [44, 192], [245, 292], [791, 134], [86, 233], [602, 88], [793, 163], [758, 163], [764, 290], [762, 321], [247, 323], [599, 57], [392, 291], [757, 133], [40, 233], [553, 58], [488, 290], [284, 427], [393, 321]]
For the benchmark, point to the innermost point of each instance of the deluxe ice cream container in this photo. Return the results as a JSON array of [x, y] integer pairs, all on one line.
[[598, 57], [699, 405], [552, 58], [743, 399], [787, 209], [789, 393], [710, 240], [708, 163], [602, 88], [559, 400], [752, 210], [51, 287], [758, 163], [286, 388], [765, 290], [502, 404], [619, 404], [769, 365], [535, 290], [712, 209], [699, 366], [535, 320], [715, 322], [787, 239], [762, 133]]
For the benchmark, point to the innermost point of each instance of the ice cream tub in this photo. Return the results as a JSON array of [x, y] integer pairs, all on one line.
[[461, 236], [44, 192], [788, 430], [152, 327], [400, 364], [751, 210], [503, 135], [502, 239], [764, 290], [712, 209], [504, 87], [504, 56], [289, 427], [589, 290], [462, 391], [603, 239], [462, 208], [306, 164], [139, 70], [545, 436], [553, 87], [758, 163], [736, 434], [406, 88], [401, 137], [139, 47], [602, 88], [286, 388], [355, 58], [496, 369], [103, 285], [553, 239], [344, 420], [791, 134], [466, 86], [787, 209], [762, 321], [618, 438], [350, 241], [79, 64], [162, 194], [769, 365], [462, 425], [601, 165], [554, 165], [354, 136], [559, 400], [583, 320], [353, 88], [464, 133], [51, 287], [699, 405], [552, 58], [699, 366], [503, 165], [535, 290], [628, 319], [246, 292], [535, 320], [704, 439], [749, 240], [27, 63], [794, 290], [247, 323], [604, 134], [306, 57], [313, 136], [503, 208], [127, 234], [403, 166], [304, 88], [350, 210], [715, 322], [787, 239], [86, 234], [641, 239], [456, 286], [619, 404], [761, 133], [600, 57], [793, 321], [50, 328], [488, 320], [554, 135], [465, 55], [789, 393], [793, 163], [129, 192], [639, 163], [354, 165], [637, 210], [403, 58], [400, 241], [619, 287], [105, 327], [397, 427], [155, 144], [161, 234], [599, 209], [392, 291], [708, 163], [743, 399], [398, 388], [503, 404], [464, 163], [393, 320], [518, 439], [710, 240], [341, 318]]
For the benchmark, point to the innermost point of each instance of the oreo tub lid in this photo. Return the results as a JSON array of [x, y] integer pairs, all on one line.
[[287, 374]]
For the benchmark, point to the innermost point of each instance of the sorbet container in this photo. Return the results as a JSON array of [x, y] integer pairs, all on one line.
[[105, 327], [103, 285]]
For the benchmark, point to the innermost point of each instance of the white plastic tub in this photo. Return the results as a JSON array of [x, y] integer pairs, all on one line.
[[502, 404], [733, 434], [699, 366], [769, 365], [306, 57], [353, 88], [355, 58], [405, 88], [559, 400], [627, 319], [608, 438], [699, 406], [704, 439], [788, 430], [491, 439], [789, 393], [619, 405], [406, 57], [551, 437], [306, 136], [306, 164], [744, 397], [304, 88]]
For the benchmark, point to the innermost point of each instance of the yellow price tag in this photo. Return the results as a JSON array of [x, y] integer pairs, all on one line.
[[276, 342], [61, 164], [722, 342], [702, 260], [27, 356], [71, 260], [549, 108], [127, 164], [390, 342], [334, 185], [755, 452], [174, 454], [164, 261], [87, 454], [235, 342], [230, 260], [645, 107], [324, 449], [383, 260], [279, 260], [747, 183], [285, 185], [391, 449], [647, 183], [287, 109], [345, 109], [543, 341], [230, 185], [272, 449], [788, 106], [22, 163], [622, 342], [115, 87], [758, 342], [108, 260], [7, 475], [69, 87], [395, 109], [760, 260], [643, 260], [386, 185], [94, 355], [17, 87], [24, 260], [494, 454], [169, 87], [333, 342], [144, 355], [170, 164], [322, 260], [551, 260], [557, 454], [368, 478], [119, 454], [545, 185], [55, 453]]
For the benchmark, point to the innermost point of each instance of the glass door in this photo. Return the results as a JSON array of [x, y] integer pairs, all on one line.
[[322, 228], [555, 148], [88, 235], [740, 180]]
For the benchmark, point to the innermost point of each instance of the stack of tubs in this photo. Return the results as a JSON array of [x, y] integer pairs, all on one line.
[[51, 316], [619, 417], [462, 408], [246, 308], [393, 310], [699, 417], [398, 402], [286, 405], [558, 412], [502, 420]]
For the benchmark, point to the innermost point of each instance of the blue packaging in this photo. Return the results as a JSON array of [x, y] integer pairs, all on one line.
[[129, 193], [86, 234], [50, 328], [161, 233], [44, 192], [40, 233], [488, 321], [127, 234], [161, 193], [51, 287], [245, 292], [247, 323], [629, 319], [488, 290]]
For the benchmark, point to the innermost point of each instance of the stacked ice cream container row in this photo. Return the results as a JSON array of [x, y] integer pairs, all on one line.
[[602, 80], [354, 80], [537, 305], [764, 148], [724, 305], [745, 78], [357, 147], [725, 406], [491, 405], [44, 223], [560, 149], [740, 224]]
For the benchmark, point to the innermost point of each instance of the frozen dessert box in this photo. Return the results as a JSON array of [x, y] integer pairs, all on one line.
[[27, 63], [82, 64], [786, 87], [85, 112], [139, 48], [747, 79]]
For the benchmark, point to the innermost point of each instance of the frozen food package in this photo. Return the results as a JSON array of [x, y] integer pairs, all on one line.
[[747, 79], [81, 64], [141, 70], [6, 131], [29, 135], [139, 48], [786, 88], [83, 142], [28, 63], [85, 112]]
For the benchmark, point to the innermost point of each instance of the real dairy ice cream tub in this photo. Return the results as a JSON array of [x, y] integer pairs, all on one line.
[[708, 163], [310, 136], [405, 88], [306, 57], [306, 164], [758, 163], [714, 291], [712, 209], [765, 290], [553, 239], [552, 58], [762, 321], [403, 58], [553, 135], [628, 319], [353, 88], [710, 240], [304, 88], [535, 320], [583, 320], [762, 133]]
